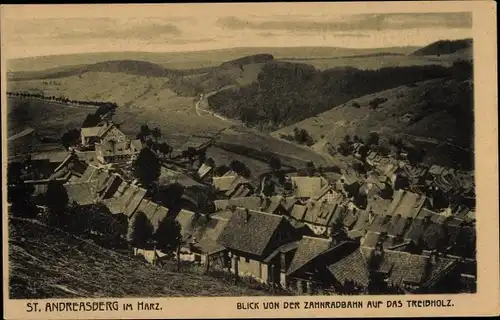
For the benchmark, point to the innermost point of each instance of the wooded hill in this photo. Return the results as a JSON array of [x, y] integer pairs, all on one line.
[[286, 93]]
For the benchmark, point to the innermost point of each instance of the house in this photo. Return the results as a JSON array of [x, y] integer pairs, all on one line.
[[83, 193], [251, 237], [371, 239], [276, 205], [240, 187], [409, 272], [71, 168], [225, 182], [298, 212], [154, 212], [252, 203], [204, 171], [200, 233], [319, 216], [308, 187], [327, 193], [126, 199], [90, 135], [111, 151], [308, 271], [104, 131], [406, 204]]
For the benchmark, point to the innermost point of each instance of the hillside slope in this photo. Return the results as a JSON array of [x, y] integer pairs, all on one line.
[[444, 47], [438, 113], [49, 263], [286, 93]]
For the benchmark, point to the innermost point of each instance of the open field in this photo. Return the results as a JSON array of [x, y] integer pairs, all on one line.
[[47, 262]]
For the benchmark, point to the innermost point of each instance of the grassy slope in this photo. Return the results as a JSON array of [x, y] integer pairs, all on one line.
[[49, 263], [143, 99], [391, 118]]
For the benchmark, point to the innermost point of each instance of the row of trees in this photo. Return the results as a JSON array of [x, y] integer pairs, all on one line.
[[63, 99]]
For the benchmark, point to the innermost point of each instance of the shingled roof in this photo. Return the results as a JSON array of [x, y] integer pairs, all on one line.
[[155, 212], [252, 203], [83, 193], [298, 212], [406, 203], [351, 268], [308, 187], [224, 183], [250, 231], [126, 199], [320, 213], [398, 267], [204, 231], [307, 250]]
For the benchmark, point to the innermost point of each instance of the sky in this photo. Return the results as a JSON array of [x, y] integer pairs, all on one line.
[[30, 30]]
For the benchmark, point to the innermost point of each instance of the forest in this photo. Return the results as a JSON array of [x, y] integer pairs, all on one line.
[[286, 93]]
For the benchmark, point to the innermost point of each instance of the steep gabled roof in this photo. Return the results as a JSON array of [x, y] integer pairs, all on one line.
[[406, 203], [252, 203], [319, 213], [298, 211], [308, 187], [185, 219], [155, 212], [83, 193], [308, 249], [126, 199], [90, 131], [250, 231], [351, 268], [224, 183], [203, 170]]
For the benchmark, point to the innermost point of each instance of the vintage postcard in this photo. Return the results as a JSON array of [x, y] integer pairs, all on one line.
[[250, 160]]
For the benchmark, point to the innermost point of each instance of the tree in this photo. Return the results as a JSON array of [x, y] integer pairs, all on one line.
[[373, 138], [140, 230], [275, 163], [18, 193], [268, 187], [164, 148], [310, 168], [147, 167], [210, 162], [344, 148], [240, 168], [70, 138], [57, 200], [202, 156], [156, 133], [145, 131], [168, 235]]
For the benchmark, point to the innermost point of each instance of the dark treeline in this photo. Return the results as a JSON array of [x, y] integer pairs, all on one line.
[[105, 104], [286, 93]]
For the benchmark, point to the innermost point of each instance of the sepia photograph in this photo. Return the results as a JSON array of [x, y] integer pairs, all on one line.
[[179, 150]]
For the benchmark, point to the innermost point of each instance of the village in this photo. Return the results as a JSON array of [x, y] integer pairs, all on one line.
[[390, 227]]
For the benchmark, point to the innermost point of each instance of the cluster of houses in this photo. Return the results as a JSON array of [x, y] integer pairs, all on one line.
[[309, 238]]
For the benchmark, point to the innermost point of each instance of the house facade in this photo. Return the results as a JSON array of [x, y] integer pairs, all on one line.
[[253, 240], [112, 151]]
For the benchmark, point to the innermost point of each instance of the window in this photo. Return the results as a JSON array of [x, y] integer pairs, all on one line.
[[247, 260]]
